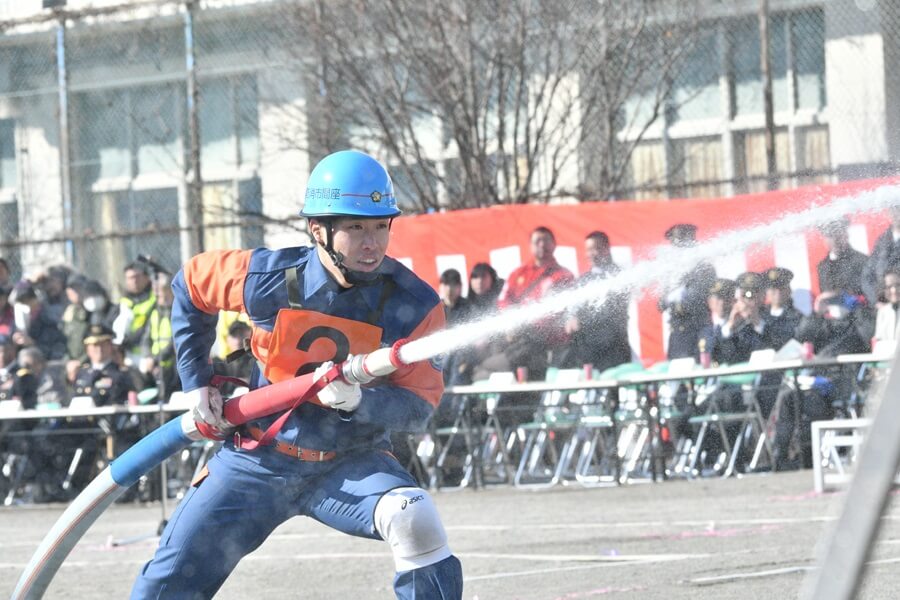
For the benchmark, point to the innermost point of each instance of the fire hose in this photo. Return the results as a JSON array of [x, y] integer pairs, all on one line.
[[172, 437]]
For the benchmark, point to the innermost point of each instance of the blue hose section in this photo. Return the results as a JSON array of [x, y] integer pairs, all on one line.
[[150, 451]]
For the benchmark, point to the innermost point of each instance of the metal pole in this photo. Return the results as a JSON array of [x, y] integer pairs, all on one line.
[[65, 174], [765, 66], [843, 551], [192, 164]]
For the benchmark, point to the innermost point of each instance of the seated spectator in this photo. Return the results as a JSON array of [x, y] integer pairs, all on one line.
[[33, 383], [239, 361], [599, 331], [484, 288], [8, 366], [75, 322], [33, 324], [780, 315], [102, 378], [746, 330], [840, 324], [450, 291], [887, 322], [720, 302]]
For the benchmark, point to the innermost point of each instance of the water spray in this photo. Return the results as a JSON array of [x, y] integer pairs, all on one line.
[[665, 270]]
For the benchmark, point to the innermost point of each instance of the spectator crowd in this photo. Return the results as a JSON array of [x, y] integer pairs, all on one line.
[[63, 339]]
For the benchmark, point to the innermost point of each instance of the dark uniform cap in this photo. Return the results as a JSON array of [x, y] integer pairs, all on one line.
[[98, 333], [682, 234], [750, 284], [723, 288], [777, 277]]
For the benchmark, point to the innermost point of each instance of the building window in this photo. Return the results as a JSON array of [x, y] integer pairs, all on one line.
[[697, 167], [648, 171], [696, 93], [229, 125], [808, 41], [751, 168], [813, 155]]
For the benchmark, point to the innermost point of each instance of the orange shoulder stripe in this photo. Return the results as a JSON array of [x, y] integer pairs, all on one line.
[[421, 378], [215, 280]]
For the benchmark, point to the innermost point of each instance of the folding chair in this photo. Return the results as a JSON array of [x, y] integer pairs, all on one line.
[[598, 462], [484, 457], [547, 441], [748, 421]]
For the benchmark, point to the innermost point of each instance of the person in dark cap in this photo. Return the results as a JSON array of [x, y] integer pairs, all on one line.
[[101, 377], [841, 271], [682, 235], [33, 325], [52, 287], [687, 304], [719, 301], [779, 314], [745, 331]]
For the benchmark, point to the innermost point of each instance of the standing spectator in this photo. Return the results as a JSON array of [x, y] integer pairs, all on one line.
[[7, 315], [52, 287], [780, 315], [842, 269], [5, 274], [134, 307], [158, 351], [687, 304], [887, 319], [450, 291], [599, 332], [33, 324], [885, 253], [535, 345]]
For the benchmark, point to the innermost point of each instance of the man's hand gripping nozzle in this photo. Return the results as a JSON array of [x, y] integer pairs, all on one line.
[[365, 368]]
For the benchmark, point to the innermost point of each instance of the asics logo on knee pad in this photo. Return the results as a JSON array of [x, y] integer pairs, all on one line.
[[412, 500]]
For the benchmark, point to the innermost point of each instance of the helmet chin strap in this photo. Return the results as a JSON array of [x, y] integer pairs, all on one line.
[[351, 276]]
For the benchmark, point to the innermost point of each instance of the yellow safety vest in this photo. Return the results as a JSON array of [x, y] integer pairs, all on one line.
[[160, 335], [140, 310]]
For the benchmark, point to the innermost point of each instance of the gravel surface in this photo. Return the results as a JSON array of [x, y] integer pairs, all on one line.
[[748, 537]]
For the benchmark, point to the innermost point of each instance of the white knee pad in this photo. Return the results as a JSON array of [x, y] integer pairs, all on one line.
[[407, 520]]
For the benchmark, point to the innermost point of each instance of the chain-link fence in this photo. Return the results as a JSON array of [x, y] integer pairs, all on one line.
[[470, 103]]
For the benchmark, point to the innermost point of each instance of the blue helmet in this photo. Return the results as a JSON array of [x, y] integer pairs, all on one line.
[[349, 183]]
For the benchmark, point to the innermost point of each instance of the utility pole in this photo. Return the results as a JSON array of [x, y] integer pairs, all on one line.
[[765, 66], [193, 176]]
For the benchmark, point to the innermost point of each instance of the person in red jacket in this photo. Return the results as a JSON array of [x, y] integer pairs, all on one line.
[[536, 345]]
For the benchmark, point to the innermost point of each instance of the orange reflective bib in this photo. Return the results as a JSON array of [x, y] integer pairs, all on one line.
[[304, 339]]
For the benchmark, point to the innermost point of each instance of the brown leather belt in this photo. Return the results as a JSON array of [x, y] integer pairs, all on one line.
[[304, 454]]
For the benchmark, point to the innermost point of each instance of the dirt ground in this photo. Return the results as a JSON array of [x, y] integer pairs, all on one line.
[[749, 537]]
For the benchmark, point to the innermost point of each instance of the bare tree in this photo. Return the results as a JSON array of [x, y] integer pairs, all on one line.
[[481, 102]]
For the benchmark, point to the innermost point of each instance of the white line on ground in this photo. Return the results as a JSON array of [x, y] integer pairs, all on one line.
[[769, 572]]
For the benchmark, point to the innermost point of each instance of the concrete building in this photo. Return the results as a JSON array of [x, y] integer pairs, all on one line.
[[127, 114]]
